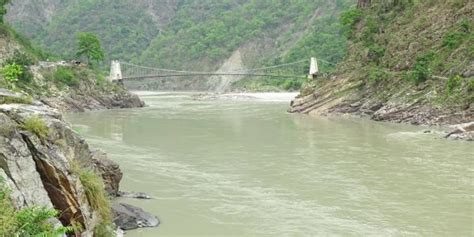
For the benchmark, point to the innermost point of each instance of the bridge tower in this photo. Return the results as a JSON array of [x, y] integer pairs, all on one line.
[[313, 69], [115, 71]]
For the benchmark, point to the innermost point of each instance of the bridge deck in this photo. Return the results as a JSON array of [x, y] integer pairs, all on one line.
[[212, 74]]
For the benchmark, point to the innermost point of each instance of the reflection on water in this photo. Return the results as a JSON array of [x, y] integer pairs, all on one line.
[[246, 168]]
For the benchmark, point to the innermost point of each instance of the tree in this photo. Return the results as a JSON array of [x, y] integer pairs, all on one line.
[[89, 47], [3, 10]]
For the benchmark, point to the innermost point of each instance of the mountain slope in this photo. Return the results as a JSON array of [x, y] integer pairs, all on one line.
[[193, 35], [407, 62]]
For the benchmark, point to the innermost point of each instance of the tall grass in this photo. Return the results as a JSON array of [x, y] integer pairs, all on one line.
[[97, 197], [37, 126]]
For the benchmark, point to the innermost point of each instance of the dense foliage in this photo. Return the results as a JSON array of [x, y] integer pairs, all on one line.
[[199, 35], [410, 48], [88, 46]]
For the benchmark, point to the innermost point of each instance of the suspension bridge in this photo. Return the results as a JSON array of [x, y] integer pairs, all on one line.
[[120, 71]]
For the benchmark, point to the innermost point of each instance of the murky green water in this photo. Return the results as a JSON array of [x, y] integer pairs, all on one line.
[[246, 168]]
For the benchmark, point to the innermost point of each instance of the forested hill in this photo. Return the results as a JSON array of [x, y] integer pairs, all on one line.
[[408, 61], [189, 34]]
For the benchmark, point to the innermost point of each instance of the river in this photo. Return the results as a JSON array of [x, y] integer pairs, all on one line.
[[242, 166]]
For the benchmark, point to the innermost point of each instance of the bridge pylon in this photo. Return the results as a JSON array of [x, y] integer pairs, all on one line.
[[313, 69], [115, 71]]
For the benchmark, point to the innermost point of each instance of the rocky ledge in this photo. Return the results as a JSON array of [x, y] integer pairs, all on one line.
[[85, 99], [406, 105], [38, 153]]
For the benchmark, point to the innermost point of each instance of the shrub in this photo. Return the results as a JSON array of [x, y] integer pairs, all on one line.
[[12, 72], [453, 83], [31, 221], [376, 52], [351, 17], [37, 126], [421, 70], [453, 40], [291, 84], [65, 76], [23, 61], [376, 75], [20, 59]]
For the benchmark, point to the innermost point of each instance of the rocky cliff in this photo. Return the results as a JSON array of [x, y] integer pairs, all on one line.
[[38, 165], [408, 62], [44, 163]]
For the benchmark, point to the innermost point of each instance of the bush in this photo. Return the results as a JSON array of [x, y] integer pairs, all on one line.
[[376, 75], [453, 83], [453, 40], [376, 52], [31, 221], [351, 17], [421, 70], [65, 76], [23, 61], [20, 59], [11, 73], [37, 126]]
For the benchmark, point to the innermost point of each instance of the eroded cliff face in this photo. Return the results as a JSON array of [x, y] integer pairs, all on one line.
[[39, 169]]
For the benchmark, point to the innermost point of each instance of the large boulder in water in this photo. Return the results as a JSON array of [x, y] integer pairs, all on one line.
[[128, 217]]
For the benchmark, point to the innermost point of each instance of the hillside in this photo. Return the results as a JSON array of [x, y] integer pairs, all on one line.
[[192, 35], [407, 62]]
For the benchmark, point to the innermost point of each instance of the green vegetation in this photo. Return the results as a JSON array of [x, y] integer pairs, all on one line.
[[16, 100], [200, 35], [89, 47], [421, 70], [407, 49], [65, 75], [350, 18], [3, 9], [11, 73], [37, 126], [31, 221], [16, 71], [96, 196], [453, 83]]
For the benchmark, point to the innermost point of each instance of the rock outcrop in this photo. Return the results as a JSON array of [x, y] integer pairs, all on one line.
[[128, 217], [462, 132], [38, 167]]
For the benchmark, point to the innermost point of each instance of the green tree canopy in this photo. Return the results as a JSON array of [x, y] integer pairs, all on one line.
[[89, 47]]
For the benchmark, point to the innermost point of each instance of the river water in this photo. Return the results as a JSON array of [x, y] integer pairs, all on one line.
[[242, 166]]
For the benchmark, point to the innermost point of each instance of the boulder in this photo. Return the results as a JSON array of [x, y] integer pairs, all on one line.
[[138, 195], [109, 170], [128, 217], [462, 132]]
